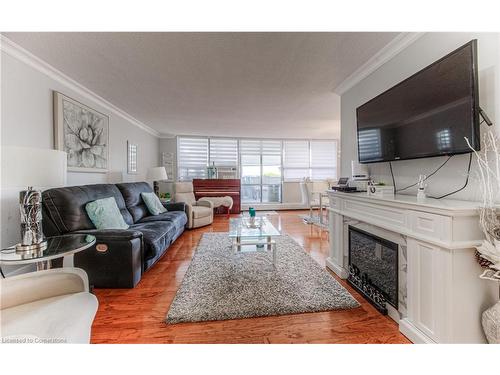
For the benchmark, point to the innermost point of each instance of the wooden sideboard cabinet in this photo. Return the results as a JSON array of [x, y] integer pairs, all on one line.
[[217, 188]]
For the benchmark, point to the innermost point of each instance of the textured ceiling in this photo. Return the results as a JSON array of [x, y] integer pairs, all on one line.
[[226, 84]]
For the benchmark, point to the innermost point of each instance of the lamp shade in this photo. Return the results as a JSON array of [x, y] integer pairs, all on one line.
[[26, 166], [157, 174]]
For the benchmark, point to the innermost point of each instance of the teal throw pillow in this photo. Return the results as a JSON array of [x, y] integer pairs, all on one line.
[[153, 203], [105, 214]]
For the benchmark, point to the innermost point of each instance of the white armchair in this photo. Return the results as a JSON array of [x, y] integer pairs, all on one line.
[[47, 306], [200, 212]]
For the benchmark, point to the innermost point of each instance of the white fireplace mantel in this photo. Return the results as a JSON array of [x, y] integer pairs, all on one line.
[[445, 297]]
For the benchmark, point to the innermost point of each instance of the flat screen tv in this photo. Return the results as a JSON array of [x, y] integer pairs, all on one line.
[[428, 114]]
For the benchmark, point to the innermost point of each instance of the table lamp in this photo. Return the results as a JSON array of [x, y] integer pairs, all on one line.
[[157, 174], [24, 167]]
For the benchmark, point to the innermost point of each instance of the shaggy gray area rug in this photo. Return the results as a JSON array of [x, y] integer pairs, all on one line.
[[221, 285]]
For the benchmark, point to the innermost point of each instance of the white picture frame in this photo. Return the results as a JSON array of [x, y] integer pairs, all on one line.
[[83, 133], [132, 151]]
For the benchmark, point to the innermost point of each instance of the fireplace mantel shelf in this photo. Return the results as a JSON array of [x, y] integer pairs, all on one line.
[[445, 296], [450, 207]]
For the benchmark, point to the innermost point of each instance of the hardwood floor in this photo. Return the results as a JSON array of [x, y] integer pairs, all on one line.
[[137, 315]]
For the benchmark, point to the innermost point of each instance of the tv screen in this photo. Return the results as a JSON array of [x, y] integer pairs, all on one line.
[[428, 114]]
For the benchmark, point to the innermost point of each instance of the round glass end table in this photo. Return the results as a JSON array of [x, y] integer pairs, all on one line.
[[57, 247]]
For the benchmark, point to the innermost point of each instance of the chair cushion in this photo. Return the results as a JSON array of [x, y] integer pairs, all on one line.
[[178, 218], [157, 236], [183, 187], [153, 203], [201, 211], [67, 318], [104, 214]]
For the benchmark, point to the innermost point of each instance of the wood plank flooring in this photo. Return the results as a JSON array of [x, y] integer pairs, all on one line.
[[137, 315]]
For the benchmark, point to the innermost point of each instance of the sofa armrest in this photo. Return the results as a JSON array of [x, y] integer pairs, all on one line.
[[116, 260], [111, 234], [177, 206], [34, 286], [205, 204]]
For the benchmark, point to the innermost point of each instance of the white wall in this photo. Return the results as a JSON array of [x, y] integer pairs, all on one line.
[[27, 120], [169, 145], [418, 55]]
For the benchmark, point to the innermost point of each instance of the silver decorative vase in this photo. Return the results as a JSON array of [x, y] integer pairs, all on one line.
[[491, 323], [30, 206]]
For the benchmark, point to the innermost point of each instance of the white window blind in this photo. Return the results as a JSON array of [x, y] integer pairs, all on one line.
[[223, 152], [261, 161], [250, 152], [192, 158], [296, 160], [323, 160], [313, 159], [271, 153]]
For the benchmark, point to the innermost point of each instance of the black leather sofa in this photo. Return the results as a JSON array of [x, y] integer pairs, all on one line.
[[120, 256]]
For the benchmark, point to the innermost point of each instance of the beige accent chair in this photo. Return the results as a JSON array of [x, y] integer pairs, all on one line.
[[52, 306], [200, 212]]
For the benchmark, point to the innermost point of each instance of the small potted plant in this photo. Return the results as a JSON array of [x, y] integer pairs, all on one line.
[[165, 197]]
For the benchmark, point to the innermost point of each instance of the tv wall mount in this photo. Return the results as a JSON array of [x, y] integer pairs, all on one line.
[[485, 117]]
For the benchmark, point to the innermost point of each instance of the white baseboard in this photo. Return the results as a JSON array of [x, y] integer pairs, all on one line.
[[413, 333], [274, 206], [339, 271]]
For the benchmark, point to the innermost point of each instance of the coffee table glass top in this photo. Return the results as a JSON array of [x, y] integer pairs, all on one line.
[[244, 227], [57, 247]]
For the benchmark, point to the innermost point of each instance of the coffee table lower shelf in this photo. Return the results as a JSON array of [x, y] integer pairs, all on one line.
[[267, 241]]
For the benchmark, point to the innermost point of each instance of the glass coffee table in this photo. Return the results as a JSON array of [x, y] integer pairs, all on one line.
[[253, 235]]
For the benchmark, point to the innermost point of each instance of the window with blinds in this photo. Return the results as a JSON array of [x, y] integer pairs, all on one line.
[[263, 164], [313, 159], [260, 170], [192, 158], [296, 160], [223, 152], [323, 160]]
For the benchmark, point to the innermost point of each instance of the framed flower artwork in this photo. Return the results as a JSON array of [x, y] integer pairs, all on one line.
[[83, 133]]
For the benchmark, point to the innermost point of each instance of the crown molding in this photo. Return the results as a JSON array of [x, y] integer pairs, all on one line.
[[167, 136], [394, 47], [23, 55]]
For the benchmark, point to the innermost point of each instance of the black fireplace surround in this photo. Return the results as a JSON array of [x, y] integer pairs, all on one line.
[[373, 268]]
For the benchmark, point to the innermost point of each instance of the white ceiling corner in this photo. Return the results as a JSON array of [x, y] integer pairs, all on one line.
[[21, 54], [398, 44]]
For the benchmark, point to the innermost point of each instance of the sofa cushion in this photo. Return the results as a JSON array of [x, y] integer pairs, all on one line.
[[131, 192], [157, 236], [67, 317], [65, 207], [178, 218], [201, 211], [153, 203]]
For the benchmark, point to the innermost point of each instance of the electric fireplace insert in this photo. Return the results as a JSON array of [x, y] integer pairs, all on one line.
[[373, 268]]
